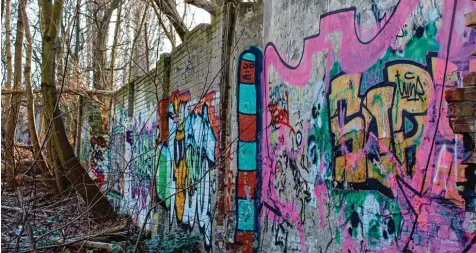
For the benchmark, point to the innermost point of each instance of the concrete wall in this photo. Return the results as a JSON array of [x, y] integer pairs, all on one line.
[[165, 132], [303, 126], [357, 151]]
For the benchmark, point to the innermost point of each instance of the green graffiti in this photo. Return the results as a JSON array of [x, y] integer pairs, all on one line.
[[369, 213], [163, 178]]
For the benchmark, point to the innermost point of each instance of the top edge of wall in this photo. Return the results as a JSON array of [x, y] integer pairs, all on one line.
[[200, 28], [162, 58]]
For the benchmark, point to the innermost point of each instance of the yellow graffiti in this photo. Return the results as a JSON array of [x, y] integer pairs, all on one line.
[[348, 134], [394, 112], [181, 174]]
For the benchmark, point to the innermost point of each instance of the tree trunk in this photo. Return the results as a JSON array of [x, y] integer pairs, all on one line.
[[147, 55], [51, 150], [100, 76], [100, 36], [76, 174], [62, 183], [16, 99], [37, 152], [133, 70], [99, 52], [76, 123], [8, 45], [114, 43], [2, 8], [6, 106]]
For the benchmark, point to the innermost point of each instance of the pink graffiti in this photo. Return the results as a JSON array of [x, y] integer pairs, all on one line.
[[352, 59]]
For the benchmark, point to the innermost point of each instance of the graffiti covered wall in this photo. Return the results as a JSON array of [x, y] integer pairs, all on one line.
[[189, 151], [337, 137], [162, 147], [118, 154], [356, 150]]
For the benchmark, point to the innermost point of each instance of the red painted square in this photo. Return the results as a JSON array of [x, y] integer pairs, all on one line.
[[246, 179], [246, 241], [247, 127]]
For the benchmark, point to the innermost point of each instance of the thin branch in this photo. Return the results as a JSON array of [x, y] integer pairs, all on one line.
[[206, 5], [161, 23], [174, 17]]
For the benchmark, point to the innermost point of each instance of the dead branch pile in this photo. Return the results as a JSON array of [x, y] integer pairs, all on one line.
[[34, 219]]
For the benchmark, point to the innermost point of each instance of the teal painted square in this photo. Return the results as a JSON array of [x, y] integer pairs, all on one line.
[[246, 214], [247, 99], [246, 155]]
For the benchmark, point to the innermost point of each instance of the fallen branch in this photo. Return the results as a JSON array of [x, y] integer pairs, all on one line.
[[26, 222], [18, 209], [92, 244], [115, 229], [37, 196], [109, 237]]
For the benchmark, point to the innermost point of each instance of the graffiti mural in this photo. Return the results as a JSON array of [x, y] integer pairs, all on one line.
[[142, 142], [117, 156], [174, 149], [98, 162], [365, 150], [188, 151], [247, 187]]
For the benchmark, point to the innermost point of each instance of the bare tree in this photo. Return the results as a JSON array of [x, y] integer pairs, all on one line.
[[102, 13], [16, 98], [115, 41], [8, 43], [8, 56], [37, 150], [73, 169]]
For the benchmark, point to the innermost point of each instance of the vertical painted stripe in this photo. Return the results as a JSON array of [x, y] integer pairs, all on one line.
[[247, 180]]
